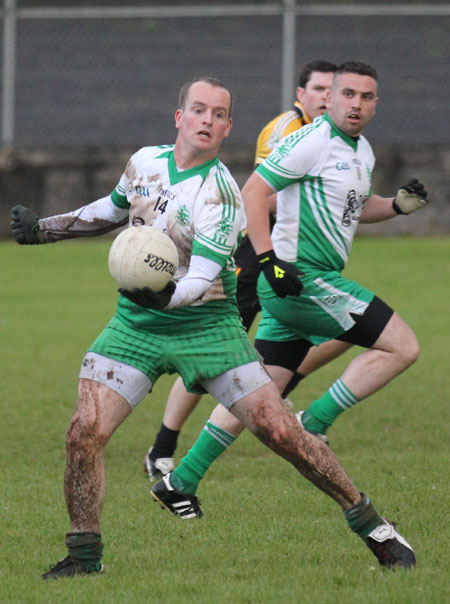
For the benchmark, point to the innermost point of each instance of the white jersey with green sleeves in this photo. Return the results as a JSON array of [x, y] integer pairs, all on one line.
[[323, 178], [202, 212]]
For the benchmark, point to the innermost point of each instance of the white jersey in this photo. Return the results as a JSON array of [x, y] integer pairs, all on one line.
[[200, 209], [323, 177]]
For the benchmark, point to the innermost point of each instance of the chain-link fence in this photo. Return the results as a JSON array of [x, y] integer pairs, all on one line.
[[110, 76], [83, 86]]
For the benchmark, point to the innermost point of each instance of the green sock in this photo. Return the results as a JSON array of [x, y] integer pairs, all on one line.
[[363, 517], [211, 443], [86, 548], [320, 414]]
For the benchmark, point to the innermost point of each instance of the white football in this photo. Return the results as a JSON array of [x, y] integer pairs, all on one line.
[[142, 256]]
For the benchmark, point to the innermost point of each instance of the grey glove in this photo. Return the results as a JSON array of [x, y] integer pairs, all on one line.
[[24, 225], [410, 197], [148, 298]]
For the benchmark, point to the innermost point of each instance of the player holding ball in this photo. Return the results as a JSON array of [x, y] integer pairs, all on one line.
[[194, 329]]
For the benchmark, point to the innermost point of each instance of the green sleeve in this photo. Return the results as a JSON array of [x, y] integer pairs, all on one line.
[[198, 249], [277, 181], [119, 199]]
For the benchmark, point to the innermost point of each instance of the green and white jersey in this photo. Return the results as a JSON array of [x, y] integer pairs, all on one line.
[[323, 178], [202, 212]]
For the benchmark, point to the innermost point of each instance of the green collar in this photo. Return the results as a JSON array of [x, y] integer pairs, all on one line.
[[350, 140], [201, 170]]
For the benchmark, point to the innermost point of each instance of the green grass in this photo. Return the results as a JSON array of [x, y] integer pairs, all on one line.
[[267, 536]]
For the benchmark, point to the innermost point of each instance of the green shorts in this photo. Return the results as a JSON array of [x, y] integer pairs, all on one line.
[[197, 355], [322, 312]]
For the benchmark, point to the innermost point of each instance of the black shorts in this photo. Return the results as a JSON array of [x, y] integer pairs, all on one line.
[[366, 331], [368, 327]]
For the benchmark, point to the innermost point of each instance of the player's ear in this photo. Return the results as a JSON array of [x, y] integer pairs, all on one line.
[[300, 93], [229, 126], [178, 114], [328, 99]]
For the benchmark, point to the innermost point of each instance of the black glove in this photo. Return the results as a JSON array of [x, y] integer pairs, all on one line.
[[282, 276], [24, 225], [410, 197], [148, 298]]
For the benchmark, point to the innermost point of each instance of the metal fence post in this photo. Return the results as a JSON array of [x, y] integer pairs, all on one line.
[[9, 68], [288, 55]]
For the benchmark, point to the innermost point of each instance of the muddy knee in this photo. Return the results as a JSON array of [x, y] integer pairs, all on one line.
[[275, 430], [84, 435]]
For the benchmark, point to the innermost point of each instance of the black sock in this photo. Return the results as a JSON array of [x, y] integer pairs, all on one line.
[[295, 379], [165, 443]]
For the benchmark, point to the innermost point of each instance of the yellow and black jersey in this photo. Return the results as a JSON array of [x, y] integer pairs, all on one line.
[[275, 130]]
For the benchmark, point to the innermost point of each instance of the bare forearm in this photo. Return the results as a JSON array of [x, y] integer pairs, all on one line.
[[377, 209], [256, 193], [272, 203]]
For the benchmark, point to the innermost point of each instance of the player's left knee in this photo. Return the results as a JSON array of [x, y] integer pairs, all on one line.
[[410, 350], [84, 436]]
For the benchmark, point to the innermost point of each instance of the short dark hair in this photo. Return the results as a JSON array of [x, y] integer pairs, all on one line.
[[358, 67], [306, 71], [216, 83]]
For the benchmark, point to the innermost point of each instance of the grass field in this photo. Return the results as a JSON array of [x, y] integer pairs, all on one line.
[[267, 536]]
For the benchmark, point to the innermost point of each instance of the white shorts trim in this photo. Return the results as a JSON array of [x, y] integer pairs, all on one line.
[[230, 387], [124, 379]]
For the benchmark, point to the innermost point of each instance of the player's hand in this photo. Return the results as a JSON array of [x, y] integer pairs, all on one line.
[[283, 277], [24, 225], [148, 298], [410, 197]]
